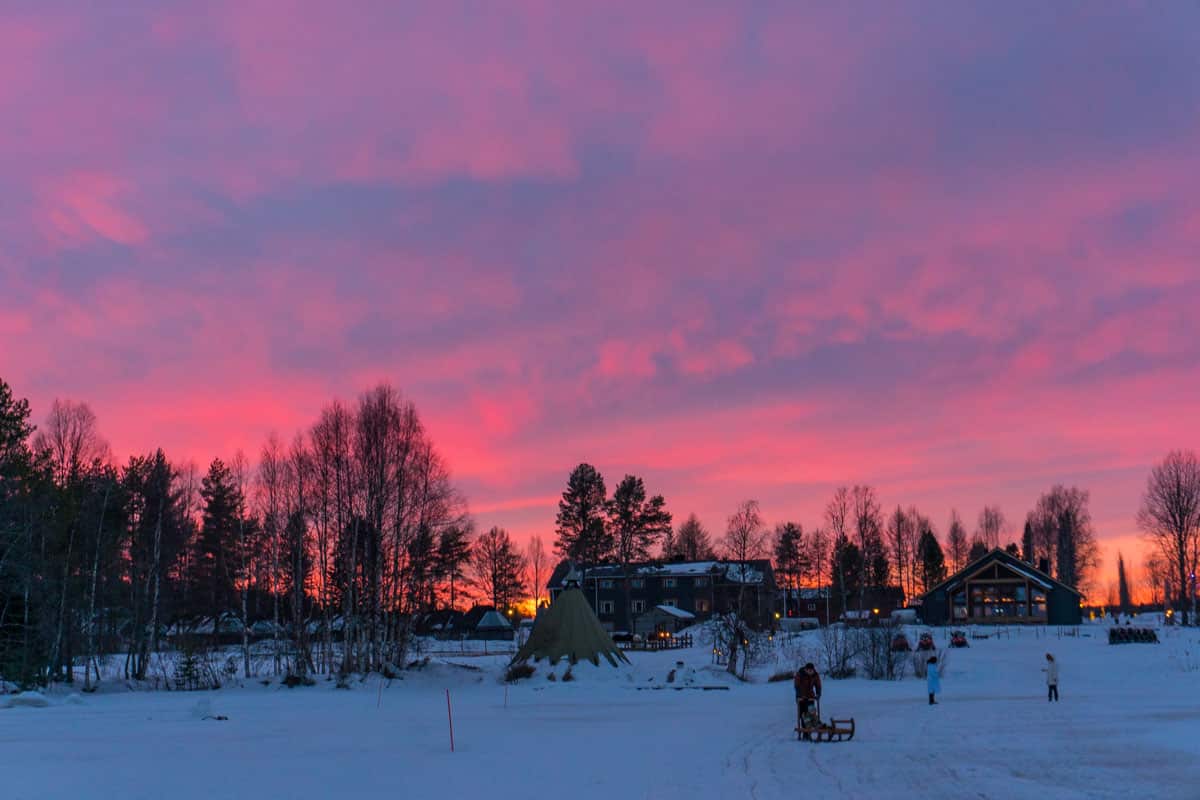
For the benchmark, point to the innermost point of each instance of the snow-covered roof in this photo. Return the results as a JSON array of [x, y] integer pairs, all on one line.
[[1039, 580], [680, 568], [493, 620], [805, 593], [751, 572], [678, 613], [743, 573]]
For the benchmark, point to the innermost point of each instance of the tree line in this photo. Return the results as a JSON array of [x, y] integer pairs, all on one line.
[[858, 547], [345, 533], [332, 544]]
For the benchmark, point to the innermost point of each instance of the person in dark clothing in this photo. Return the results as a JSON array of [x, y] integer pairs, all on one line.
[[807, 684], [933, 679]]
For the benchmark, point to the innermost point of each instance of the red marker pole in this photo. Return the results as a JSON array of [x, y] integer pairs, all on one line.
[[450, 717]]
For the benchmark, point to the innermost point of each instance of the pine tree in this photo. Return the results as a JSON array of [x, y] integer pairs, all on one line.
[[582, 534], [636, 524]]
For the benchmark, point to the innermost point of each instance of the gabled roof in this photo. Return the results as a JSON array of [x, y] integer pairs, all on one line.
[[1009, 562], [753, 572], [679, 613], [493, 620]]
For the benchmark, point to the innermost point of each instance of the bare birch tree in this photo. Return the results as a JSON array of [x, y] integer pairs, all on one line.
[[1170, 521]]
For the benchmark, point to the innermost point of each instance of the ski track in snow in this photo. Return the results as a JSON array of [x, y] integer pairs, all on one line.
[[1127, 724]]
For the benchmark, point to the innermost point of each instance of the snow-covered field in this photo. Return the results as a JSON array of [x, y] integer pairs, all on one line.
[[1128, 725]]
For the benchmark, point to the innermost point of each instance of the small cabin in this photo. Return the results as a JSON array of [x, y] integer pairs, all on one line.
[[662, 620]]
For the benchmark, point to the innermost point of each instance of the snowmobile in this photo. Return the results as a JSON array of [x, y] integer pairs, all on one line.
[[900, 644], [959, 639], [926, 642], [810, 727]]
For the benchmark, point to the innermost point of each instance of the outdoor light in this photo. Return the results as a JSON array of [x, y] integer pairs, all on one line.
[[876, 610], [776, 615]]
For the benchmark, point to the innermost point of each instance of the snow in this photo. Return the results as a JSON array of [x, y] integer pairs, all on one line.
[[1127, 726], [679, 613], [26, 700]]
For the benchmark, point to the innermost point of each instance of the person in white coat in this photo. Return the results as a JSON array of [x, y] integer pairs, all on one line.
[[1051, 670]]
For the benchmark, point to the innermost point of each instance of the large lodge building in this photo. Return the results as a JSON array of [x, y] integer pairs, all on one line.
[[700, 588], [1001, 588]]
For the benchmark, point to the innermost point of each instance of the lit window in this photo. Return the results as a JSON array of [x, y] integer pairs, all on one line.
[[702, 606]]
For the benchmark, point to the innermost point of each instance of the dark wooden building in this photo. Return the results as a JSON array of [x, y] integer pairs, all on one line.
[[702, 588], [1001, 588]]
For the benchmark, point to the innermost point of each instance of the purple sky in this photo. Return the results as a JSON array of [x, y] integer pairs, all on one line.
[[744, 250]]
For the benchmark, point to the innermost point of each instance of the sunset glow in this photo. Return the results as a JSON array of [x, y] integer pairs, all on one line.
[[742, 252]]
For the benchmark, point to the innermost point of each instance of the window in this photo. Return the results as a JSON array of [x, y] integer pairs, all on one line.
[[638, 583], [700, 582], [702, 606], [639, 606], [668, 583], [606, 606], [606, 584], [812, 606], [670, 601]]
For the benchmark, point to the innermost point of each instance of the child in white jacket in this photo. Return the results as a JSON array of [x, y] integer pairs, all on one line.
[[1051, 670]]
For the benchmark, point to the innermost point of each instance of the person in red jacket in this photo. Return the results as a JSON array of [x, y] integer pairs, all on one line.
[[808, 690]]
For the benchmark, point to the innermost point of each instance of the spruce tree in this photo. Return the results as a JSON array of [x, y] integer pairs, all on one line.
[[789, 553], [978, 550], [933, 561], [454, 550], [1123, 586], [1027, 544], [213, 568]]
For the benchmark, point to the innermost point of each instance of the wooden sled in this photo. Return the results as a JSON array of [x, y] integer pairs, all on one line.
[[838, 730]]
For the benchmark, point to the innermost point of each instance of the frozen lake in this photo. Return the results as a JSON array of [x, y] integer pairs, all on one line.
[[1128, 725]]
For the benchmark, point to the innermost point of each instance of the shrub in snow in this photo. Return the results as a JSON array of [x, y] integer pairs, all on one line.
[[839, 648], [73, 699], [194, 670], [568, 675], [27, 700], [292, 680], [516, 672], [880, 660], [785, 675]]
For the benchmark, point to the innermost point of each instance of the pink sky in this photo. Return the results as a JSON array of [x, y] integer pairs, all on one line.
[[950, 250]]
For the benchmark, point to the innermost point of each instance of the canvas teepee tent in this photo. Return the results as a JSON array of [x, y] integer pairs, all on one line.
[[569, 628]]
